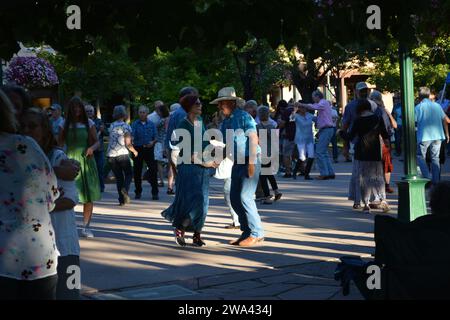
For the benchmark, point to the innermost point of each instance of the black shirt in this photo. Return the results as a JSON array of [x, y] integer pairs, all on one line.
[[368, 130]]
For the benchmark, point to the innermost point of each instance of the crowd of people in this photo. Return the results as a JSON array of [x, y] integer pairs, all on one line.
[[50, 163]]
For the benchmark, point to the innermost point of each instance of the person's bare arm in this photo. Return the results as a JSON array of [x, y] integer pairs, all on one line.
[[129, 144], [445, 124], [393, 122], [446, 119], [253, 144], [94, 139]]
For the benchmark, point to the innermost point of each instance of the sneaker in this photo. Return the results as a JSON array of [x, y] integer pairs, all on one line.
[[86, 233], [179, 237], [356, 206], [170, 191], [287, 176], [267, 201]]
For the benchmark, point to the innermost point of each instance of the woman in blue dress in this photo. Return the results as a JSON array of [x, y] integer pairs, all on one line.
[[190, 206]]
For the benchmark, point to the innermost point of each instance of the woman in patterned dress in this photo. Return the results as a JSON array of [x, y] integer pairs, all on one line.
[[28, 253]]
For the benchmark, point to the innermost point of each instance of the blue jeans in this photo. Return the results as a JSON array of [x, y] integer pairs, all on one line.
[[226, 193], [100, 161], [242, 195], [334, 144], [322, 156], [422, 148]]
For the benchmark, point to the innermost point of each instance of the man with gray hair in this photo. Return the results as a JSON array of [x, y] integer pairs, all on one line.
[[431, 124], [144, 140], [251, 106]]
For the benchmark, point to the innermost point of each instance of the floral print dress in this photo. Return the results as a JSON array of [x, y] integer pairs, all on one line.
[[28, 190]]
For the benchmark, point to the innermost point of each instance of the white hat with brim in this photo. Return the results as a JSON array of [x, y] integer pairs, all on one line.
[[227, 94]]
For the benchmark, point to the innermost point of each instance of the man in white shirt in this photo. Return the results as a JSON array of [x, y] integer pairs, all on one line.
[[154, 116]]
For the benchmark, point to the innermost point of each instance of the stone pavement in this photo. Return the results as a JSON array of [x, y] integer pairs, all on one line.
[[134, 255]]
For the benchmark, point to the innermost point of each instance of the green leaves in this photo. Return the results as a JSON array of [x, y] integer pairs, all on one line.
[[431, 64]]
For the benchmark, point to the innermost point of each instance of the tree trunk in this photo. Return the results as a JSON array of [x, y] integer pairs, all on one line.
[[246, 72]]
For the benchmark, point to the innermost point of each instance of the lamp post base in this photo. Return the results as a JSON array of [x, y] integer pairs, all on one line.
[[411, 198]]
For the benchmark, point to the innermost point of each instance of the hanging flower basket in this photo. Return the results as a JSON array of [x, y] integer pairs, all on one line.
[[31, 73]]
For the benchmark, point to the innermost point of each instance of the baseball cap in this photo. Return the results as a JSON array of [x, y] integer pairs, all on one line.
[[361, 86], [55, 106]]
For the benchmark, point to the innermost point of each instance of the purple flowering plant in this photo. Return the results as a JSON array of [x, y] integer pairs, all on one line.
[[31, 72]]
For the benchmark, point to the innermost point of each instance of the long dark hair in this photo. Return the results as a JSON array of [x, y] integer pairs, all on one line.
[[164, 111], [71, 121], [282, 104], [187, 102]]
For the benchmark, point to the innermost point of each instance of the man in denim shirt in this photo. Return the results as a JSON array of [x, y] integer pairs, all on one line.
[[246, 168], [144, 140]]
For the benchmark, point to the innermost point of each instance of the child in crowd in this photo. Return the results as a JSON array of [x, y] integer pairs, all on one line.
[[265, 127]]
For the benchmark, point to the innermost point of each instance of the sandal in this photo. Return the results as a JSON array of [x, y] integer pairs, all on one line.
[[384, 207]]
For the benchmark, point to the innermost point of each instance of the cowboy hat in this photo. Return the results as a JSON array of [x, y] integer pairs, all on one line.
[[227, 94]]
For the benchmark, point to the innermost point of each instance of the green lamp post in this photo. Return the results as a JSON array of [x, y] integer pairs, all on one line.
[[411, 188]]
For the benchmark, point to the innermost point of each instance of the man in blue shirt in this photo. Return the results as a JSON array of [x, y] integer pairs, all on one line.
[[246, 166], [431, 123], [144, 140]]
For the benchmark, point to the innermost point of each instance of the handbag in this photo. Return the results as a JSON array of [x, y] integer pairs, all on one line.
[[223, 171]]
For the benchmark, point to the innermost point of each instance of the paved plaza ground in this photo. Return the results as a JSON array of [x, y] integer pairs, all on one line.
[[134, 255]]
